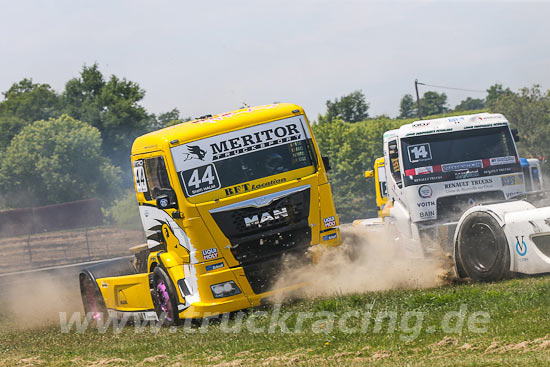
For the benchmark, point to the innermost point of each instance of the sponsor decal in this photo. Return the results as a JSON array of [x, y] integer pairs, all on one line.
[[194, 152], [330, 236], [421, 124], [521, 248], [461, 166], [419, 152], [466, 174], [468, 185], [265, 217], [196, 162], [104, 284], [511, 180], [139, 176], [513, 193], [213, 119], [427, 214], [456, 120], [209, 254], [425, 191], [419, 171], [214, 266], [238, 189], [200, 179], [424, 170], [425, 204], [502, 160], [329, 221]]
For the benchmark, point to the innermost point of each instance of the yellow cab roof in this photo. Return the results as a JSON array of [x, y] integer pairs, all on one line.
[[210, 126]]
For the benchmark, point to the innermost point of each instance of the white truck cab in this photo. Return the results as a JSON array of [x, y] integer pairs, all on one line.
[[437, 169]]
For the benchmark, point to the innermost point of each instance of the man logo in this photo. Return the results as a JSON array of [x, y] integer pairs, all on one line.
[[195, 152], [266, 217]]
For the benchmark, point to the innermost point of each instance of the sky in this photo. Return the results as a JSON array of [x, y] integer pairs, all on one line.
[[213, 56]]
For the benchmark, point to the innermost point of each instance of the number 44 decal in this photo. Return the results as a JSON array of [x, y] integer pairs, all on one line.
[[200, 179], [419, 152]]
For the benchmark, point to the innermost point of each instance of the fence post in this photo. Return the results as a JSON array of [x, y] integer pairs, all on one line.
[[88, 244], [29, 247]]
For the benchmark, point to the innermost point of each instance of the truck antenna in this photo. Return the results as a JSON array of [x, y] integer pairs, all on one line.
[[418, 98]]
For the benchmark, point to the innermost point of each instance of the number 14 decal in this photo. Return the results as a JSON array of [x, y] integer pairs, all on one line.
[[419, 152]]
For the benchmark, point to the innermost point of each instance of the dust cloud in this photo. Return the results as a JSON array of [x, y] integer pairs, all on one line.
[[32, 301], [368, 260]]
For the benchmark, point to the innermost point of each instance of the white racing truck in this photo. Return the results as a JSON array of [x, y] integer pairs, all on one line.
[[456, 184]]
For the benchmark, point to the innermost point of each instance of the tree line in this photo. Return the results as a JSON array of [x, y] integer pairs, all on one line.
[[74, 144]]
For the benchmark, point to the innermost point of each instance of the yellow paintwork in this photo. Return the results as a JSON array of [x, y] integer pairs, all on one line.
[[381, 201], [201, 228]]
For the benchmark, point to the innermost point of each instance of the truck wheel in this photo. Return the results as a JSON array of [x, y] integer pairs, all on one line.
[[164, 297], [483, 248], [94, 306]]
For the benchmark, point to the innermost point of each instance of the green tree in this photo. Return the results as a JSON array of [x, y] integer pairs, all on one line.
[[169, 118], [349, 108], [470, 104], [433, 103], [407, 107], [29, 101], [9, 126], [529, 112], [112, 107], [494, 92], [352, 149], [56, 161]]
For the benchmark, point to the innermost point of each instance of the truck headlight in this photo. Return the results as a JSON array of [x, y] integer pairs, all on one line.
[[225, 289]]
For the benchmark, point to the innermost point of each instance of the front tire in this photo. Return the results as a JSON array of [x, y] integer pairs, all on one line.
[[164, 297], [483, 248]]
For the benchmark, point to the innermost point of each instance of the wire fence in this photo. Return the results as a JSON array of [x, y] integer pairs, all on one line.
[[40, 250]]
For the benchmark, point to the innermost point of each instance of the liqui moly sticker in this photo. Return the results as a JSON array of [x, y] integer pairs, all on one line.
[[502, 160], [209, 254], [329, 221]]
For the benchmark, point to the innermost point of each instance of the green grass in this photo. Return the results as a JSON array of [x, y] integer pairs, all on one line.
[[518, 311]]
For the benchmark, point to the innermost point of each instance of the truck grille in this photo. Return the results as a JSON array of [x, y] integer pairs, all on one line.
[[261, 246], [450, 208], [261, 267], [233, 224]]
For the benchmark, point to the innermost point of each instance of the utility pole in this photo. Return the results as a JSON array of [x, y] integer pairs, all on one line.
[[418, 99]]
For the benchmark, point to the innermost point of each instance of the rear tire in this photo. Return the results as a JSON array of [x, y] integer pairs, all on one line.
[[164, 297], [483, 250], [92, 300]]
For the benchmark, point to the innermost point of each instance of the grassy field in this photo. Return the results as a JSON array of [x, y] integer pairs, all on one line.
[[504, 323]]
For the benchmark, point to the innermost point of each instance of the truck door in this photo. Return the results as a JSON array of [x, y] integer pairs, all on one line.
[[395, 181]]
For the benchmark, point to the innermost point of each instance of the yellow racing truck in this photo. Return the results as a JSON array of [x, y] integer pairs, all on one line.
[[224, 200]]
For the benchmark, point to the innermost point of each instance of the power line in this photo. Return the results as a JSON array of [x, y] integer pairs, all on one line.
[[453, 88]]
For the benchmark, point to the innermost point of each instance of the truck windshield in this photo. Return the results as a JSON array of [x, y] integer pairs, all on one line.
[[244, 155], [458, 155]]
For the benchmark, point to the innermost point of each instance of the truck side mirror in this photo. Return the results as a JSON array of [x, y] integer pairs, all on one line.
[[167, 201], [515, 134], [326, 163], [369, 174]]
